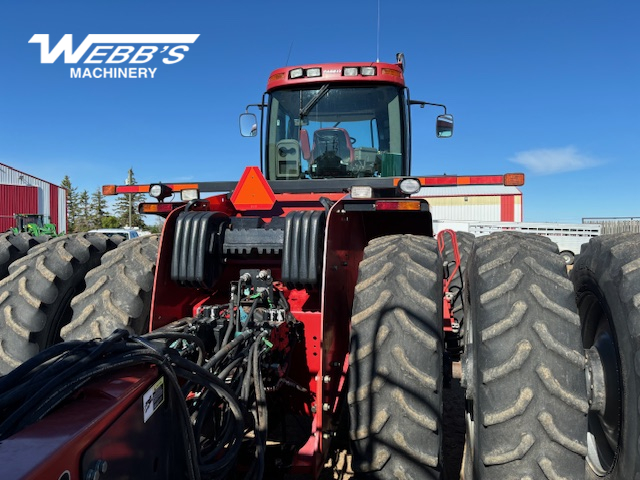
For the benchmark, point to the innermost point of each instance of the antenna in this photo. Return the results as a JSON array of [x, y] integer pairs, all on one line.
[[378, 36], [289, 54]]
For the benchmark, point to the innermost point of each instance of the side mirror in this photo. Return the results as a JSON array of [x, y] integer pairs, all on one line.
[[444, 126], [248, 125]]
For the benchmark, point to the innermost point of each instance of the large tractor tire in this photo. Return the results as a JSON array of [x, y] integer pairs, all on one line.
[[395, 375], [118, 292], [14, 246], [606, 279], [524, 364], [35, 298]]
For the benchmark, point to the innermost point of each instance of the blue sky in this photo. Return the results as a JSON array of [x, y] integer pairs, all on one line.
[[549, 88]]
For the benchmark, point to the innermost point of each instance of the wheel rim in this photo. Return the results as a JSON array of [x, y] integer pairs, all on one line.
[[604, 427]]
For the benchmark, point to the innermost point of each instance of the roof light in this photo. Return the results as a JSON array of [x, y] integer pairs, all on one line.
[[296, 73], [314, 72], [276, 76], [409, 186], [350, 71], [361, 191], [189, 194], [155, 190], [391, 71], [160, 191], [368, 71]]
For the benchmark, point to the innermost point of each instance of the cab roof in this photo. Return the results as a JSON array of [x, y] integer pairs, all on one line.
[[320, 73]]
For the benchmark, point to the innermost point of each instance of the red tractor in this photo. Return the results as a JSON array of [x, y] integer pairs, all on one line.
[[312, 303]]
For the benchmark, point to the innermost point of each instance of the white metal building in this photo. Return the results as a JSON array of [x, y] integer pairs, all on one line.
[[474, 202]]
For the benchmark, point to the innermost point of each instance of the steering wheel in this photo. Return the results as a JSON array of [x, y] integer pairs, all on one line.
[[353, 140]]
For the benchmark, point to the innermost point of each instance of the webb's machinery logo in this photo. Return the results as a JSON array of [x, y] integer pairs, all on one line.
[[116, 53]]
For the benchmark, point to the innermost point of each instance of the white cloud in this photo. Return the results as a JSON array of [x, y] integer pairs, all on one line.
[[547, 161]]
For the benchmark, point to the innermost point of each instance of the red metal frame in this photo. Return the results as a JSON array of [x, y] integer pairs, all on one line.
[[325, 313], [58, 442], [326, 332], [447, 310]]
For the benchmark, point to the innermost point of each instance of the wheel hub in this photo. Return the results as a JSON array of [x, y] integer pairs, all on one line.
[[596, 387], [604, 389]]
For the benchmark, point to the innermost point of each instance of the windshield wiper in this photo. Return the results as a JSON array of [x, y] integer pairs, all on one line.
[[304, 111]]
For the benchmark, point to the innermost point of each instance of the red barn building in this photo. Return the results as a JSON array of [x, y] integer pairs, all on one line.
[[24, 193]]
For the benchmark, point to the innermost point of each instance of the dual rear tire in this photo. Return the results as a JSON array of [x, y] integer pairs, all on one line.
[[118, 292], [560, 380], [606, 278], [395, 379], [524, 364], [35, 297], [61, 290], [14, 246]]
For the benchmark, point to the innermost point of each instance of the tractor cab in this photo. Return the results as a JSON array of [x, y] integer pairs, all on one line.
[[337, 121]]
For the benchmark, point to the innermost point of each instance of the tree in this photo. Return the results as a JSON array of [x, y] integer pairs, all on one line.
[[157, 227], [83, 220], [72, 204], [110, 222], [126, 206], [98, 209]]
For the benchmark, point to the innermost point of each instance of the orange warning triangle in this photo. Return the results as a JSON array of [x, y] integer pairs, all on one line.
[[253, 192]]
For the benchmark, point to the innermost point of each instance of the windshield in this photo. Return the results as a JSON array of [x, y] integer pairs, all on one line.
[[336, 132]]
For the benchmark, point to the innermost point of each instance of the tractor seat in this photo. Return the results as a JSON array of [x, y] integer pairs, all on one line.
[[331, 152]]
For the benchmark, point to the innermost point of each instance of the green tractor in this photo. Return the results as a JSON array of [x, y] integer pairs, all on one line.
[[33, 224]]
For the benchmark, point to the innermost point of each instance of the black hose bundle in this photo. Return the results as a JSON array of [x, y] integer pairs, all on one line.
[[36, 387], [224, 407]]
